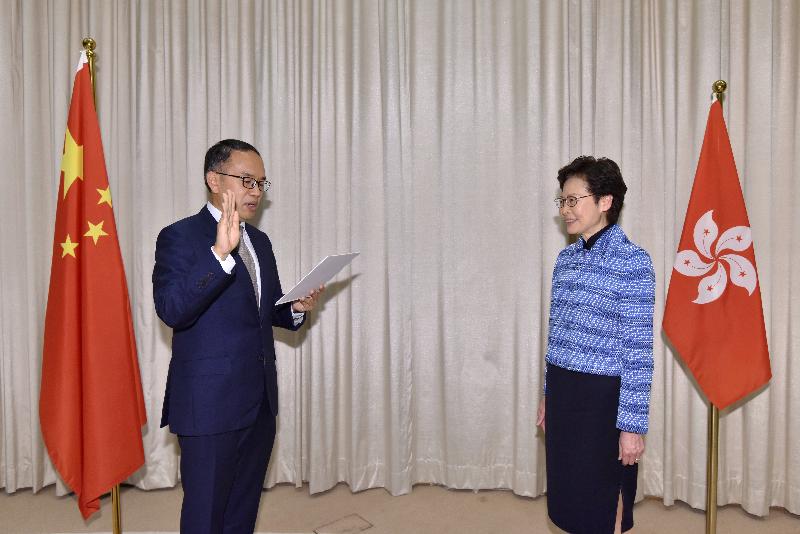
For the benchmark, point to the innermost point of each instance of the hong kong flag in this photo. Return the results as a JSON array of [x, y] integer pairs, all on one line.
[[713, 315], [91, 408]]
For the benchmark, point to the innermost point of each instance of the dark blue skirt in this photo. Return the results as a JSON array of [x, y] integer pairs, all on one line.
[[584, 476]]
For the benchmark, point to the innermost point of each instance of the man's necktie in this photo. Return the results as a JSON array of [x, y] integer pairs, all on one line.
[[247, 259]]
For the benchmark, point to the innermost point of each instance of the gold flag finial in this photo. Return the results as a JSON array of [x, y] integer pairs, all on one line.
[[719, 88], [89, 45]]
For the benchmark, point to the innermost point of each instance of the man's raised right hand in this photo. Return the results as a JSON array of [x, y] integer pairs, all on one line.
[[228, 229]]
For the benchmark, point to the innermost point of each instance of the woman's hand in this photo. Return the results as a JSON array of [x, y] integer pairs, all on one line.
[[540, 414], [631, 447]]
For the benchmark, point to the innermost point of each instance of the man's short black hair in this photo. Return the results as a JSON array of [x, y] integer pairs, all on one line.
[[220, 152], [602, 177]]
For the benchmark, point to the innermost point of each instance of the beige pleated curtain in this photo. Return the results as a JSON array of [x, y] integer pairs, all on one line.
[[425, 135]]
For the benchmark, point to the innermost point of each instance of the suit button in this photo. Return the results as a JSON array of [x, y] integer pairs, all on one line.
[[203, 282]]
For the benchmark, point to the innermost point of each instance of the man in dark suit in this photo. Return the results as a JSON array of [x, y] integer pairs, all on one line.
[[215, 283]]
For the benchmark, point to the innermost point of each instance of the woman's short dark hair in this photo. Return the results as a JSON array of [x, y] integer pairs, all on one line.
[[602, 177], [220, 152]]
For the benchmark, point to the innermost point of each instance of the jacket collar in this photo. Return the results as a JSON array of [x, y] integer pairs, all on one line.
[[609, 238], [589, 243]]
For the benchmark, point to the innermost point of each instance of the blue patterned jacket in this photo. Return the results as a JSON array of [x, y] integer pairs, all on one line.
[[601, 319]]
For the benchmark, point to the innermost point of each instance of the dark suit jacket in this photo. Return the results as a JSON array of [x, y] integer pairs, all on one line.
[[223, 352]]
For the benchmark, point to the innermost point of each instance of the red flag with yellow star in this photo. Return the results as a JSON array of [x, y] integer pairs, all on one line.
[[91, 408], [713, 314]]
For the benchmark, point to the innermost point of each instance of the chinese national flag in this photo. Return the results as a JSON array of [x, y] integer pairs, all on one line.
[[713, 314], [91, 408]]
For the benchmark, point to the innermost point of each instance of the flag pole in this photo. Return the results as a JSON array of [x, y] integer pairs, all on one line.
[[712, 469], [712, 462], [115, 510], [89, 45]]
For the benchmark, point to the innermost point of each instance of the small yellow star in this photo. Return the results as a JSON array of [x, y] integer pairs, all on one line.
[[68, 247], [71, 162], [105, 196], [95, 231]]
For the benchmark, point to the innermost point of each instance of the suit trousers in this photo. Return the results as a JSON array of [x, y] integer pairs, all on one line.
[[223, 476]]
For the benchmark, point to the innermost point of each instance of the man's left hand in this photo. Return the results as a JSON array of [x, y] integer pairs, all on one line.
[[308, 303]]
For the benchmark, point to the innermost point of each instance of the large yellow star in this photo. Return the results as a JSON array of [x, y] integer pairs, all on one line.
[[105, 196], [68, 247], [95, 231], [71, 162]]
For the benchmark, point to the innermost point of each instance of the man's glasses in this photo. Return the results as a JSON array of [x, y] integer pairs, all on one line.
[[249, 182], [569, 201]]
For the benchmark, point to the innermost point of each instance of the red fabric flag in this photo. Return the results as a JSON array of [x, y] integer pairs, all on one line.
[[91, 408], [713, 314]]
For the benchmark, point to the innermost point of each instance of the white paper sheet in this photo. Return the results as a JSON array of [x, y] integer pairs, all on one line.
[[324, 271]]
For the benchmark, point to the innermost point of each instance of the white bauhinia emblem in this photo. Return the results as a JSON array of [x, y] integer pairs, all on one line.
[[736, 239]]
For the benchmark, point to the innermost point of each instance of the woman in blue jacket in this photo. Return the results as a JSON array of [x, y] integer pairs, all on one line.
[[599, 362]]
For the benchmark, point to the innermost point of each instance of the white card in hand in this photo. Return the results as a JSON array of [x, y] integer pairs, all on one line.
[[324, 271]]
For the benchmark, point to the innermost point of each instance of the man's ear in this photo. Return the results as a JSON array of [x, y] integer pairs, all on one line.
[[212, 180]]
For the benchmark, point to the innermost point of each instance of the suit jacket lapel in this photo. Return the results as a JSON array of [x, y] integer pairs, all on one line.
[[209, 224], [254, 240]]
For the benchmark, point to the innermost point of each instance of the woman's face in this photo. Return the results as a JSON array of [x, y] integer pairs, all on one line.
[[588, 216]]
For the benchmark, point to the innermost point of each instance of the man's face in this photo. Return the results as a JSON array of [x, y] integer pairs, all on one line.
[[239, 164]]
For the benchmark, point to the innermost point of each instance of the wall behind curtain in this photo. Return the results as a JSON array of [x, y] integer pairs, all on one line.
[[427, 136]]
